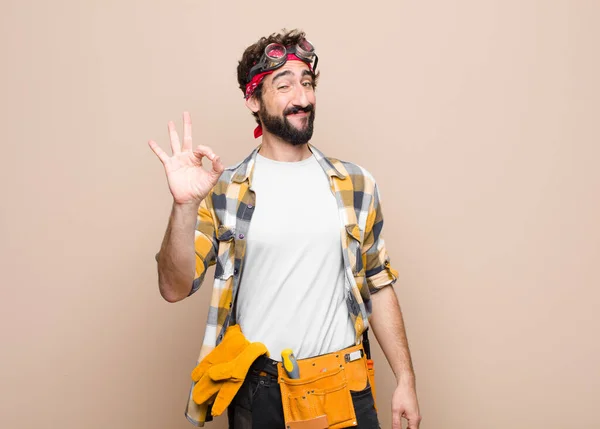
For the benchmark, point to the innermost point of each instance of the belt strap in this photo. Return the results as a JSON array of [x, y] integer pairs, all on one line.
[[268, 365], [366, 345]]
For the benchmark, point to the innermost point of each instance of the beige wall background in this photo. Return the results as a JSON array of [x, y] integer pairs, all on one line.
[[479, 119]]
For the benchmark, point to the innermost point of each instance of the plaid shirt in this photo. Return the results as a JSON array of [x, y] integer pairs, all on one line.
[[221, 234]]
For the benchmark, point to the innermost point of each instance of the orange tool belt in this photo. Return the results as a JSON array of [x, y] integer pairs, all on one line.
[[321, 398]]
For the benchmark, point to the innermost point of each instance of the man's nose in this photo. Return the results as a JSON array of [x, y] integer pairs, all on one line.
[[300, 97]]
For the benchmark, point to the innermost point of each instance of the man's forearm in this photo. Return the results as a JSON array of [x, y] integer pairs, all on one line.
[[176, 260], [388, 326]]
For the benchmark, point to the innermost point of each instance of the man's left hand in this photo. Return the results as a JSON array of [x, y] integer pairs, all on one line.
[[405, 404]]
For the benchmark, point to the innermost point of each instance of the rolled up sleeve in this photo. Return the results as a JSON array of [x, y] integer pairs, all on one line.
[[205, 243], [379, 272]]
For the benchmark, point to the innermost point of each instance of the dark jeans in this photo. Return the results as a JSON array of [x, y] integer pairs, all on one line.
[[258, 405]]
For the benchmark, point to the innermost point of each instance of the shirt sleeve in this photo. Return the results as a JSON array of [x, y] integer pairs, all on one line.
[[379, 273], [205, 243]]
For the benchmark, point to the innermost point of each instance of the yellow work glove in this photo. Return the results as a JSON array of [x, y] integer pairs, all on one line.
[[232, 344], [225, 379]]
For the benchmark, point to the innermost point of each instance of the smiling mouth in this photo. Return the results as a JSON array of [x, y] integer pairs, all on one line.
[[301, 114]]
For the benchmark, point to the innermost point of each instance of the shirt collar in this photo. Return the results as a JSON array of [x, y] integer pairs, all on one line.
[[332, 167]]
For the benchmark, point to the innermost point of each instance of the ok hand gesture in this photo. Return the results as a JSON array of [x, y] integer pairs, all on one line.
[[189, 183]]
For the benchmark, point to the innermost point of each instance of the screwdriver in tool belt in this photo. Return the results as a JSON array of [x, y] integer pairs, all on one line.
[[289, 363]]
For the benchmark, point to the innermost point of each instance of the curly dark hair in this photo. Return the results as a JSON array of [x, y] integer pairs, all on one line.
[[253, 53]]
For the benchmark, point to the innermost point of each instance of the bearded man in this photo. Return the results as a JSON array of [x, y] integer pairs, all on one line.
[[302, 272]]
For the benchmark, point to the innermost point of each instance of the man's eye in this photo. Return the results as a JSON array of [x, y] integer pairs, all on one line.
[[283, 87], [308, 84]]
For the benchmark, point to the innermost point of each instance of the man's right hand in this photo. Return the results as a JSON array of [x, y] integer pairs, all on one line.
[[189, 183]]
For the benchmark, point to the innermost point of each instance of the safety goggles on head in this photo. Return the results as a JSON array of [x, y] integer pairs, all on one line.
[[276, 55]]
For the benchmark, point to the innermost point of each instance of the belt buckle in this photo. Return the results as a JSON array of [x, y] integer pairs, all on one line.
[[355, 355]]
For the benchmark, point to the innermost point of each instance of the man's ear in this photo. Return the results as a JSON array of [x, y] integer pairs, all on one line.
[[253, 104]]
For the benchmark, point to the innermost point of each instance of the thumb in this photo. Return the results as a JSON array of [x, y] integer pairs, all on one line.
[[217, 167], [396, 419]]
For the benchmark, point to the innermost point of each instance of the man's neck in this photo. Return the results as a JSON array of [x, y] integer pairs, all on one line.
[[278, 150]]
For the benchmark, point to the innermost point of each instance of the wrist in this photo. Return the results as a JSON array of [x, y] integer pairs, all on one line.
[[405, 378], [187, 206]]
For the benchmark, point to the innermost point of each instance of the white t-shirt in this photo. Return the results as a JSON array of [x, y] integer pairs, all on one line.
[[292, 293]]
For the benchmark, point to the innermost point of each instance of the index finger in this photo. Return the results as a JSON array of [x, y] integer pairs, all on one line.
[[187, 131]]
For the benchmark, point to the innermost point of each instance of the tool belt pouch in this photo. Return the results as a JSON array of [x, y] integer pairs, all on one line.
[[321, 397]]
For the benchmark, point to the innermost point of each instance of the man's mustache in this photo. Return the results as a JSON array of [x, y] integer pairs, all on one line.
[[296, 109]]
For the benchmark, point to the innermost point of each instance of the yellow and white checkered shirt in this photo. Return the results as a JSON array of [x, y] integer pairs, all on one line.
[[223, 222]]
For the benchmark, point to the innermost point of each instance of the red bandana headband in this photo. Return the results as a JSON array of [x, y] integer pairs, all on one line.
[[257, 79]]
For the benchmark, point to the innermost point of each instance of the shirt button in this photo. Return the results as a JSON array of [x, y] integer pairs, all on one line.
[[241, 236]]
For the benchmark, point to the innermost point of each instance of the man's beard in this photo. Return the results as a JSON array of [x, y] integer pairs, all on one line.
[[282, 128]]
